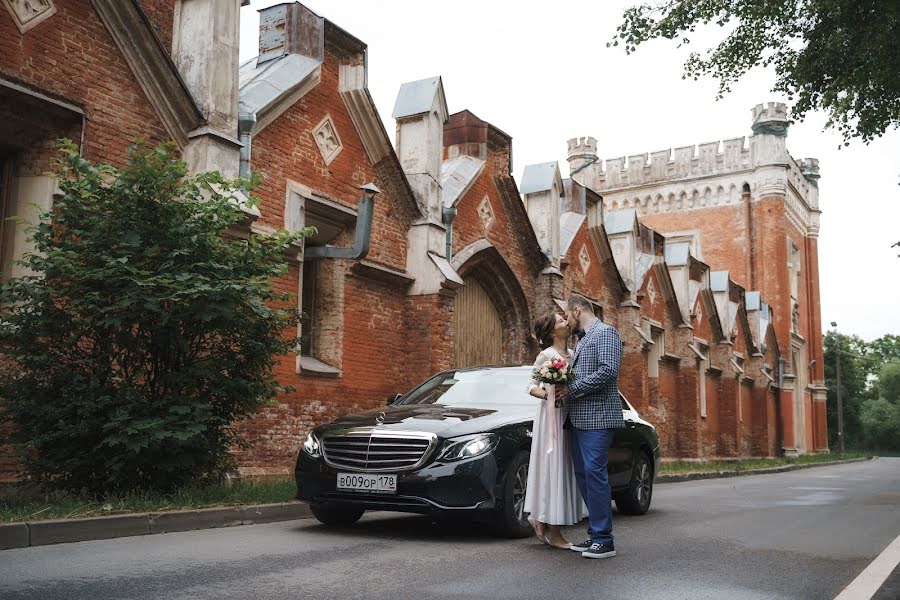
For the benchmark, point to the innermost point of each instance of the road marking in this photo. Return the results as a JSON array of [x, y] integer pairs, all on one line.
[[872, 578]]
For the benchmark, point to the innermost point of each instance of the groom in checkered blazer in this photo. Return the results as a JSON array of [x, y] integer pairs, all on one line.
[[594, 412]]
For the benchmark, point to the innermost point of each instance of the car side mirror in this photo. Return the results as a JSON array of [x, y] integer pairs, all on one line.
[[392, 399]]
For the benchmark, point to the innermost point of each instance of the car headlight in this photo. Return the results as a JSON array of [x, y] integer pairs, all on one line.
[[311, 445], [469, 446]]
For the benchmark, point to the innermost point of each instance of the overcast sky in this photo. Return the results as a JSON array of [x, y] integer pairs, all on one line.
[[541, 72]]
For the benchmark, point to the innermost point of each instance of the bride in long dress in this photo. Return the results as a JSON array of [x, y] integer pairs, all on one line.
[[551, 495]]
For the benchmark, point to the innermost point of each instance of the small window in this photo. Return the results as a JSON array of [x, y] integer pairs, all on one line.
[[702, 368], [7, 228], [657, 350], [308, 307]]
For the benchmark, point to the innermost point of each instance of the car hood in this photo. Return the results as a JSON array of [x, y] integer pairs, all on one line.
[[445, 421]]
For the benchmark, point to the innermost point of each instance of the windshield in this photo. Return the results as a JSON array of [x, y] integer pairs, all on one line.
[[474, 388]]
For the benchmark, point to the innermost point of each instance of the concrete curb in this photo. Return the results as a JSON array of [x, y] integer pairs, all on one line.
[[722, 474], [60, 531]]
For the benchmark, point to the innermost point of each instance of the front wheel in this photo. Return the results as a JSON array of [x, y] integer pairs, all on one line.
[[336, 515], [636, 499], [512, 521]]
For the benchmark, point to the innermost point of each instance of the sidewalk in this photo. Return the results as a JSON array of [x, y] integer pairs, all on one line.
[[59, 531], [676, 477]]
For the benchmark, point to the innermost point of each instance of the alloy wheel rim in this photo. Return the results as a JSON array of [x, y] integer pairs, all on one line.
[[519, 485], [644, 486]]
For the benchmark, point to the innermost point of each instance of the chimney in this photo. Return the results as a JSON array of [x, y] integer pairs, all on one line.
[[465, 135], [290, 28], [421, 112]]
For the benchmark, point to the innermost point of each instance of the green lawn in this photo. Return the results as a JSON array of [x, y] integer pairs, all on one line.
[[675, 468], [15, 508]]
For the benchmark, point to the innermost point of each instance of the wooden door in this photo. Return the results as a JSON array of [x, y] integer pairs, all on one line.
[[479, 335]]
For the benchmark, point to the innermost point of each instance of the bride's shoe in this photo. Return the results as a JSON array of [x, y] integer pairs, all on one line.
[[562, 544], [540, 531]]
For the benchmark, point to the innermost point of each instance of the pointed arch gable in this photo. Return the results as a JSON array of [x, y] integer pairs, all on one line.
[[480, 261]]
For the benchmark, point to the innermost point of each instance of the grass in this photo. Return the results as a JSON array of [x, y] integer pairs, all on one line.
[[674, 468], [17, 508]]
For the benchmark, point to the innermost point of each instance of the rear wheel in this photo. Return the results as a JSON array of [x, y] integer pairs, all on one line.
[[336, 515], [512, 520], [636, 499]]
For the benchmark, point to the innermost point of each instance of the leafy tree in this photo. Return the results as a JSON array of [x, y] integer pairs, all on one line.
[[855, 371], [888, 385], [146, 331], [840, 56], [881, 419], [886, 348]]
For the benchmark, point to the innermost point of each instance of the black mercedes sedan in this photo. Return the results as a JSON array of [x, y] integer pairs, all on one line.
[[456, 445]]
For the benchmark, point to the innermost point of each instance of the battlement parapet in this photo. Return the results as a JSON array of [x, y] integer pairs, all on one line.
[[713, 158]]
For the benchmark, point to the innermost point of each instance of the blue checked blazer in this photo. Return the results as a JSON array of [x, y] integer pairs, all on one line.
[[593, 401]]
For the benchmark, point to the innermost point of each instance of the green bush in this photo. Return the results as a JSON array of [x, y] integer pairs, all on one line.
[[146, 332]]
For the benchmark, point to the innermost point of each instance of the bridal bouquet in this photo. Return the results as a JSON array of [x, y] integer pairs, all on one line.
[[553, 371]]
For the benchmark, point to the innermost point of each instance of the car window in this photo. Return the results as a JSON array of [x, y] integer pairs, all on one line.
[[624, 404], [474, 387]]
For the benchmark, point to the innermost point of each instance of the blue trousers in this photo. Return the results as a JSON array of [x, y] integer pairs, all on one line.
[[590, 455]]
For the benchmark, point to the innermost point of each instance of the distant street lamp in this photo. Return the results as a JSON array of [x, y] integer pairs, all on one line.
[[837, 370]]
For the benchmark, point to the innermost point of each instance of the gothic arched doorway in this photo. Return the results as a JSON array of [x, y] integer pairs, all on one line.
[[479, 332]]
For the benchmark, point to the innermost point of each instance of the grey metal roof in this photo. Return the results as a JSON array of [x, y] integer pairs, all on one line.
[[751, 300], [539, 177], [619, 221], [718, 281], [263, 85], [677, 253], [569, 224], [457, 175], [417, 97]]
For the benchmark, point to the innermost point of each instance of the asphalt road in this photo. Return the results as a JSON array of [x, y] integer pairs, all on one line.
[[803, 534]]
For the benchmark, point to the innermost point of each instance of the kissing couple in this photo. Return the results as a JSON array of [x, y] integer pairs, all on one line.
[[573, 430]]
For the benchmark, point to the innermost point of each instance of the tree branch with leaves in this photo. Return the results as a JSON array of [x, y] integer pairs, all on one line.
[[838, 56]]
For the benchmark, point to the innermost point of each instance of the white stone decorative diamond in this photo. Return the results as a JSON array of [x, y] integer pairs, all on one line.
[[584, 258], [698, 314], [28, 13], [327, 140], [651, 291], [486, 213]]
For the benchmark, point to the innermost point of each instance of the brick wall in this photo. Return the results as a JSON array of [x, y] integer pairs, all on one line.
[[159, 13], [71, 56]]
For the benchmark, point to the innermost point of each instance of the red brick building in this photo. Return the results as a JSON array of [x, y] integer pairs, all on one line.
[[461, 258]]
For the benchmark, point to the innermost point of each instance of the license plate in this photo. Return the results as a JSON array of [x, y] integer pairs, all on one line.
[[363, 482]]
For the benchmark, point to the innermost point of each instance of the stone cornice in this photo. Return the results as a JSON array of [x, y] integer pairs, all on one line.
[[362, 111], [152, 66]]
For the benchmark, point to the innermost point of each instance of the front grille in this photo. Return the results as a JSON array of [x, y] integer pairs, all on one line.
[[377, 450]]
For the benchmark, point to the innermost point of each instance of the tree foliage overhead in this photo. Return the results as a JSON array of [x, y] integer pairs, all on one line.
[[839, 56], [145, 331]]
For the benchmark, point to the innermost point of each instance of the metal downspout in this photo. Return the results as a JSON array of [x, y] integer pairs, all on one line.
[[362, 236], [246, 122], [448, 215]]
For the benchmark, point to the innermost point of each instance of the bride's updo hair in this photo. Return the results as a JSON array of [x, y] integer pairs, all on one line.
[[543, 329]]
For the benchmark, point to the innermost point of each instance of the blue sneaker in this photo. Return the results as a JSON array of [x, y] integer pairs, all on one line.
[[606, 550]]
